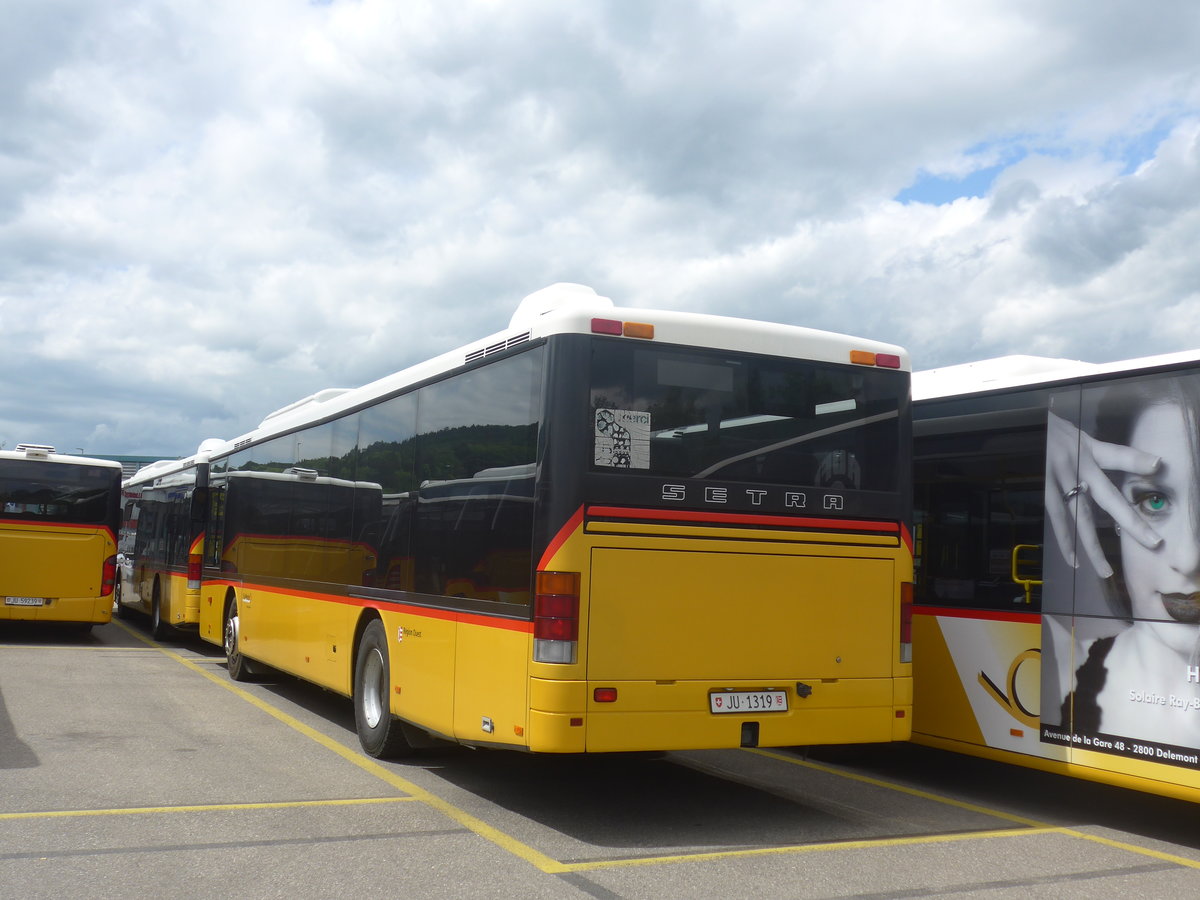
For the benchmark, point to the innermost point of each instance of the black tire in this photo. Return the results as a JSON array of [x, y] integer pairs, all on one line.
[[240, 668], [380, 733], [159, 630]]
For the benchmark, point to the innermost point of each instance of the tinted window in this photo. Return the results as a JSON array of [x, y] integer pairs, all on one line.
[[477, 446], [739, 417], [387, 457], [35, 491], [979, 476]]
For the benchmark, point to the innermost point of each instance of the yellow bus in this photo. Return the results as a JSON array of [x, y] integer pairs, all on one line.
[[58, 536], [1057, 525], [161, 540], [598, 530]]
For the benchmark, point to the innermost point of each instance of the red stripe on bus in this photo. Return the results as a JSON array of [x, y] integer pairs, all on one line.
[[725, 518], [906, 538], [991, 615], [445, 615], [559, 539]]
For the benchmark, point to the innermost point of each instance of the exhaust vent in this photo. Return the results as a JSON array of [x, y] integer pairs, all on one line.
[[498, 347]]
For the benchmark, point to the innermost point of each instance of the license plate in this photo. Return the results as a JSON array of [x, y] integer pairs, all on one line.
[[747, 701], [24, 601]]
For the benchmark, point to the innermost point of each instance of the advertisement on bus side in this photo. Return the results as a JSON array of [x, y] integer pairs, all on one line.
[[1121, 598]]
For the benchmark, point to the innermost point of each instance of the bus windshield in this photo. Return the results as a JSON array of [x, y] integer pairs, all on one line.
[[687, 413], [36, 491]]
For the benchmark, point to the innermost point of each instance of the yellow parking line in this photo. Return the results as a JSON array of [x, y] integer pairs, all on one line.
[[208, 807], [552, 866], [809, 848], [42, 648], [1031, 823], [481, 828]]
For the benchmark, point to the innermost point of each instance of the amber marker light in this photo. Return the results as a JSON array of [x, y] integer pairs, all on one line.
[[639, 330], [862, 357]]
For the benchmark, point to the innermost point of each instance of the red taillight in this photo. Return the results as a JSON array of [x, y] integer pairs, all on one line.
[[556, 617], [607, 326], [195, 561], [108, 576], [605, 695], [906, 606]]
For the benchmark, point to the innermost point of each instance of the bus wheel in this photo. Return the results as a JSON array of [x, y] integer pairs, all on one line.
[[159, 630], [379, 732], [240, 668]]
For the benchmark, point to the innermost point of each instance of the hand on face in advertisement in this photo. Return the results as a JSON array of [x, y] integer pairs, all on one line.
[[1078, 480]]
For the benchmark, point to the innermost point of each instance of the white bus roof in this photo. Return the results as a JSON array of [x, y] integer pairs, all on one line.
[[570, 309], [1006, 372], [46, 453]]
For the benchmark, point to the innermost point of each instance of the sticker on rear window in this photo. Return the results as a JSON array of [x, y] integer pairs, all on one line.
[[622, 439]]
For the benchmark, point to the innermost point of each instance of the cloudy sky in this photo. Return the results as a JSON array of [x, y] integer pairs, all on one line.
[[210, 208]]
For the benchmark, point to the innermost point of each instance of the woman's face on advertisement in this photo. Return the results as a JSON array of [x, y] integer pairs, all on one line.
[[1164, 582]]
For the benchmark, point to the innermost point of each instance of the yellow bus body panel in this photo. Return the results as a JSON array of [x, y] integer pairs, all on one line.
[[665, 620], [956, 659], [63, 566], [669, 620], [421, 653], [180, 606], [491, 682]]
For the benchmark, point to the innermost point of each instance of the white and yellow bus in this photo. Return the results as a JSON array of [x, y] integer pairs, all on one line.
[[161, 542], [1057, 522], [598, 530], [58, 536]]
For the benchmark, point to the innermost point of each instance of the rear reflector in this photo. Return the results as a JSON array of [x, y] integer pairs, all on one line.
[[605, 695]]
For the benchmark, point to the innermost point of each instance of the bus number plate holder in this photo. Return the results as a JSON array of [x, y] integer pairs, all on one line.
[[24, 601], [747, 701]]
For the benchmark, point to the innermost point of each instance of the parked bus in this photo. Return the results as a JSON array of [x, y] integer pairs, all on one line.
[[598, 530], [1057, 522], [162, 533], [58, 536]]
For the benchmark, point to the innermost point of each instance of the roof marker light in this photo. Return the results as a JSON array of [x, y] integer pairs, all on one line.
[[606, 326], [862, 357], [639, 330], [887, 360]]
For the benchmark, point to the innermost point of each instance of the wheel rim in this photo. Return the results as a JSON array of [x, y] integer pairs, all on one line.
[[231, 643], [372, 688]]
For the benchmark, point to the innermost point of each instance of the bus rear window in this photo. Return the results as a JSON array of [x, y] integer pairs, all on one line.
[[739, 417], [53, 492]]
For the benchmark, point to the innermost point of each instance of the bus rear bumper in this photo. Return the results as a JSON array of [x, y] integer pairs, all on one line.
[[677, 716], [94, 610]]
